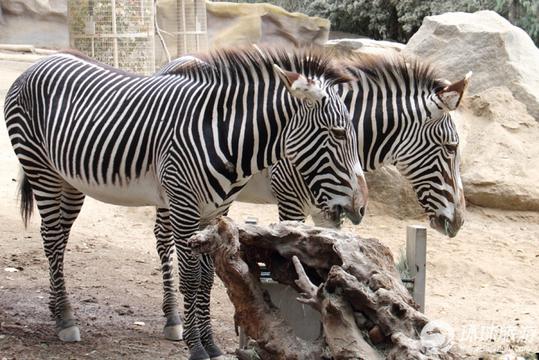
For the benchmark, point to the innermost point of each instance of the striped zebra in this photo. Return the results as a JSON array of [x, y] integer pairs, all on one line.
[[401, 113], [185, 142]]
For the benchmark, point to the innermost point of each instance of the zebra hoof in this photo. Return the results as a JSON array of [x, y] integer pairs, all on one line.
[[69, 334], [174, 332], [198, 353], [214, 352]]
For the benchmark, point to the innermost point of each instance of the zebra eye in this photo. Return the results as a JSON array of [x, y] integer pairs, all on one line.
[[451, 148], [339, 133]]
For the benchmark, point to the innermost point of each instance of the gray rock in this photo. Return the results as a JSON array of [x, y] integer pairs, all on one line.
[[366, 45], [498, 53], [391, 193], [499, 151]]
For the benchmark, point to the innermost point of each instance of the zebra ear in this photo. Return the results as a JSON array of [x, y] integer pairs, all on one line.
[[299, 86], [451, 95]]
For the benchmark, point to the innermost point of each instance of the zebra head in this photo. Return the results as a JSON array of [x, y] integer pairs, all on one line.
[[430, 159], [321, 143]]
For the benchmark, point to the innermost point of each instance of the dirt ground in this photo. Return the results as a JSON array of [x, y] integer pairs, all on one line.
[[484, 282]]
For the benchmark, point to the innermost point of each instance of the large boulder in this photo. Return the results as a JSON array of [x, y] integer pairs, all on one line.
[[498, 53], [390, 193], [499, 151]]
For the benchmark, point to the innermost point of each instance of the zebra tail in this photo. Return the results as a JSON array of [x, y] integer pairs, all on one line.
[[26, 196]]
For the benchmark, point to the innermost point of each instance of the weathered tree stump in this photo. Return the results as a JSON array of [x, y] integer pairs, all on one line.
[[366, 311]]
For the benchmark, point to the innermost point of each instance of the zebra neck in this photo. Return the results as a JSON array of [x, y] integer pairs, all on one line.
[[247, 115], [379, 117]]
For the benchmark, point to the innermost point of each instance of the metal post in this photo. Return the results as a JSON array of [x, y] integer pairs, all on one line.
[[114, 32], [244, 340], [151, 33], [184, 28], [416, 256]]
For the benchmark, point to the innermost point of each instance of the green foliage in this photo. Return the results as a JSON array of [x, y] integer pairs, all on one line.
[[522, 13], [373, 18], [398, 20]]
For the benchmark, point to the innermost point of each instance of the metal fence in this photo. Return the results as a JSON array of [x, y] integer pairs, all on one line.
[[182, 28], [116, 32]]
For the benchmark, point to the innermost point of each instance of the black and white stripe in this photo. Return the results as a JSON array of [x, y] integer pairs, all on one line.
[[185, 141], [401, 113]]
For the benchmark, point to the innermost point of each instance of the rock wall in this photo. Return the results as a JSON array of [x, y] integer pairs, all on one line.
[[500, 151], [233, 24], [498, 53], [37, 22]]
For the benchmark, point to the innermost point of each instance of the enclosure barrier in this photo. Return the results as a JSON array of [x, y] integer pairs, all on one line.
[[117, 32], [416, 257]]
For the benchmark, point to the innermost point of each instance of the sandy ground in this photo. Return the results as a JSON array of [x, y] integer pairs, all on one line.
[[484, 282]]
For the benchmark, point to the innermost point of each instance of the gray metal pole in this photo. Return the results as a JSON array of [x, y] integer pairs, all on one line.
[[416, 256]]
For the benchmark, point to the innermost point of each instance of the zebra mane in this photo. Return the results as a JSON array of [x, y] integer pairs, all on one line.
[[400, 67], [312, 62]]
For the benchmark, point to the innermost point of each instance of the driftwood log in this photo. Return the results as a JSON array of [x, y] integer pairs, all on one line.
[[366, 311]]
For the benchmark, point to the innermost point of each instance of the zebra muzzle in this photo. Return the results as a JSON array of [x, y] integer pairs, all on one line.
[[356, 211], [355, 214], [338, 213]]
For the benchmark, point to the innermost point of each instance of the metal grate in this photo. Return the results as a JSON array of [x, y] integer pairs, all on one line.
[[116, 32], [182, 28], [192, 26]]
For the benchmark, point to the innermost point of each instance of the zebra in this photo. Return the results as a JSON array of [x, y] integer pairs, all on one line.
[[401, 112], [185, 142]]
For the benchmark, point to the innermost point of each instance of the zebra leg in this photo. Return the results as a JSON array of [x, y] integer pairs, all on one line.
[[189, 266], [184, 224], [70, 205], [203, 299], [165, 248], [47, 189], [71, 202]]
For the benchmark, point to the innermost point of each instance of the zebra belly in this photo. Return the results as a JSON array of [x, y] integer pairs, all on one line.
[[142, 191], [258, 190]]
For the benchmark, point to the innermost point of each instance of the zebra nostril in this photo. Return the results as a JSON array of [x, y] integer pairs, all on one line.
[[362, 211]]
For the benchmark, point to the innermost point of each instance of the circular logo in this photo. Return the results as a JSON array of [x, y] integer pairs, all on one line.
[[437, 337]]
